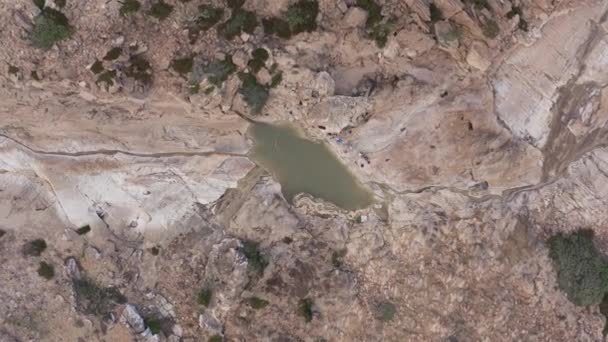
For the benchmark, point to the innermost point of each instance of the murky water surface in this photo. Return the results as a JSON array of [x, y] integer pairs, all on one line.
[[305, 166]]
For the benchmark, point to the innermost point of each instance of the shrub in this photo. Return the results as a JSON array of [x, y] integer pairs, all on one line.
[[490, 28], [240, 21], [234, 4], [436, 14], [582, 272], [385, 311], [60, 3], [50, 27], [254, 94], [94, 299], [107, 78], [129, 6], [154, 251], [216, 338], [139, 69], [218, 71], [97, 67], [204, 297], [260, 56], [277, 26], [257, 303], [153, 324], [183, 65], [34, 247], [160, 10], [112, 54], [46, 271], [39, 3], [302, 16], [83, 230], [207, 17], [256, 261], [2, 232], [276, 79], [305, 309], [337, 257], [378, 28]]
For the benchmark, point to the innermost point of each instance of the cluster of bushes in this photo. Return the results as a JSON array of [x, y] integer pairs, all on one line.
[[50, 26], [377, 26]]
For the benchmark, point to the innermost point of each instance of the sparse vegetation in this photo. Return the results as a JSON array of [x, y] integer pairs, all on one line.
[[204, 297], [153, 324], [240, 21], [46, 270], [50, 26], [183, 65], [112, 54], [378, 28], [256, 96], [216, 338], [83, 230], [305, 309], [217, 71], [385, 311], [129, 7], [34, 247], [582, 272], [96, 300], [207, 17], [257, 303], [160, 10]]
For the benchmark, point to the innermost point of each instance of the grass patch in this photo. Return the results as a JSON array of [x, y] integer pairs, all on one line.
[[128, 7], [305, 309], [256, 261], [94, 299], [50, 26], [46, 270], [153, 324], [218, 71], [207, 17], [256, 96], [385, 311], [160, 10], [257, 303], [204, 297], [215, 338], [34, 247], [582, 272], [183, 65], [240, 21], [83, 230]]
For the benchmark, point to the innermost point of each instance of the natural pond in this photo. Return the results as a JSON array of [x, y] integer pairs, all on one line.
[[304, 166]]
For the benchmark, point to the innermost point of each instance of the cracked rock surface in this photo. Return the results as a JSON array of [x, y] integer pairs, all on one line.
[[481, 133]]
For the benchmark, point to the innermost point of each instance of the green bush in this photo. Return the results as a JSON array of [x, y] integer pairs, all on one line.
[[112, 54], [436, 14], [2, 232], [60, 3], [337, 257], [183, 65], [139, 69], [256, 261], [207, 17], [97, 67], [215, 338], [255, 95], [582, 272], [129, 6], [302, 16], [153, 324], [204, 297], [305, 309], [107, 78], [39, 3], [385, 311], [257, 303], [46, 271], [277, 26], [50, 27], [94, 299], [490, 28], [378, 28], [160, 10], [217, 71], [260, 56], [83, 230], [240, 21], [155, 250], [34, 247]]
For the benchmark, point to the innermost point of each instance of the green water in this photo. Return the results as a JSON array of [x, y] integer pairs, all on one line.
[[304, 166]]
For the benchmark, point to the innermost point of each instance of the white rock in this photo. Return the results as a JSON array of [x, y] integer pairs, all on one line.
[[133, 319]]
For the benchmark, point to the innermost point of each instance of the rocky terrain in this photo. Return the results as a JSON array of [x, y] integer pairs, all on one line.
[[131, 210]]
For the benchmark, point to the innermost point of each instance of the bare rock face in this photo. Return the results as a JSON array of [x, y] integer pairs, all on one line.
[[480, 127]]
